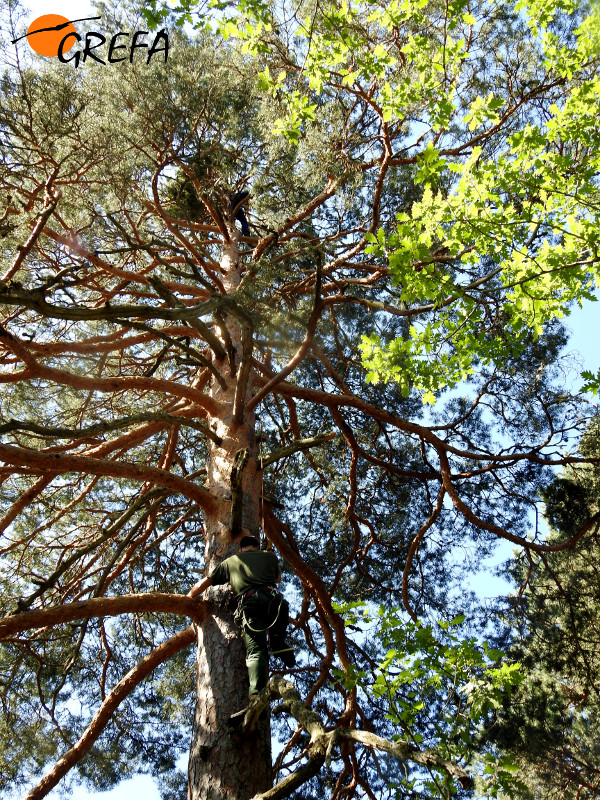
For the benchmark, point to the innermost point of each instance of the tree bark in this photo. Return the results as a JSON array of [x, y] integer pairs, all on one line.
[[222, 766]]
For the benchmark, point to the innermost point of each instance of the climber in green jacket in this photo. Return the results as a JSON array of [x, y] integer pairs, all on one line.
[[253, 574]]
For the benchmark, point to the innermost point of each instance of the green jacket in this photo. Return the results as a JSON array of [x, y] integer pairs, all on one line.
[[247, 570]]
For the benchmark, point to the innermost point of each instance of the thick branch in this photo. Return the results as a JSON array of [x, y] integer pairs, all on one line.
[[322, 742], [14, 295], [60, 463], [73, 243], [102, 607], [292, 782], [106, 427], [292, 703], [319, 739], [406, 751], [27, 498], [104, 714], [329, 400], [114, 384], [470, 515]]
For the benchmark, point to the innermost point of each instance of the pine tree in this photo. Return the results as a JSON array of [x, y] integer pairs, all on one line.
[[419, 220], [552, 625]]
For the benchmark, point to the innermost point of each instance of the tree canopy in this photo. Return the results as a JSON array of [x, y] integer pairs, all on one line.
[[551, 626], [372, 379]]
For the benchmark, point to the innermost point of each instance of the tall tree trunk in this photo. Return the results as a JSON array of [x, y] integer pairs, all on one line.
[[221, 765]]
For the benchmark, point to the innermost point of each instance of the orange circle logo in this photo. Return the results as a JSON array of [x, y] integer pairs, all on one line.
[[46, 33]]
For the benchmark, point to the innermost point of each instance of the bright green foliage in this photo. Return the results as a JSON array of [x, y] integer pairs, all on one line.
[[530, 211], [592, 382], [505, 237], [439, 689]]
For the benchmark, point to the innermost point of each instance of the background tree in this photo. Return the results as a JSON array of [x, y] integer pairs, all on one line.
[[551, 627], [423, 209]]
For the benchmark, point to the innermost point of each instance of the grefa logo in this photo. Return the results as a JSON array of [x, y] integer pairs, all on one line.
[[54, 35]]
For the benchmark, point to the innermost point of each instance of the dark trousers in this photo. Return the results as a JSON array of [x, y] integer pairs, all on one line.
[[265, 621]]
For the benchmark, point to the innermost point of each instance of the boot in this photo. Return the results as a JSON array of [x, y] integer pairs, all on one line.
[[286, 654]]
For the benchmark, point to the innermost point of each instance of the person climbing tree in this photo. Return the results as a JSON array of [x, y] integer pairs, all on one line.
[[262, 610], [237, 203]]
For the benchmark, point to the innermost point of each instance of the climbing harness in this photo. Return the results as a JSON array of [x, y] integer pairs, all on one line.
[[272, 593]]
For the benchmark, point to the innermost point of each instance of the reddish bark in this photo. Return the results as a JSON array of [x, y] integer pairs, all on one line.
[[60, 463], [133, 382], [104, 714], [75, 246], [102, 607], [105, 344], [120, 287], [24, 500], [217, 770]]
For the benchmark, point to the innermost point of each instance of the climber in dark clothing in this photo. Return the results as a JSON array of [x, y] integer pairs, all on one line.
[[264, 612], [238, 201]]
